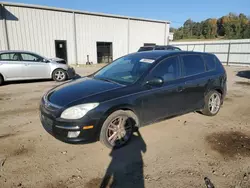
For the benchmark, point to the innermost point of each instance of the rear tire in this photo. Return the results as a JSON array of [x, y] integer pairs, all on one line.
[[118, 128], [1, 80], [59, 75], [212, 103]]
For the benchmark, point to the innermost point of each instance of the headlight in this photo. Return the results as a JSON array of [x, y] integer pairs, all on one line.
[[78, 111]]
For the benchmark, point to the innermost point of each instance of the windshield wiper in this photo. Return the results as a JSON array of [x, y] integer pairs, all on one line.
[[107, 80]]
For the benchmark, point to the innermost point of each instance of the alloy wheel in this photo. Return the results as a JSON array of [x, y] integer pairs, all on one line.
[[119, 131], [214, 103], [60, 75]]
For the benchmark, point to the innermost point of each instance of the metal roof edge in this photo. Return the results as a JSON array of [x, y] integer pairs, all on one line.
[[80, 12]]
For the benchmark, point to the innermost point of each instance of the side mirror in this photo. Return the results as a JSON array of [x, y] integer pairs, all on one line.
[[155, 82], [45, 60]]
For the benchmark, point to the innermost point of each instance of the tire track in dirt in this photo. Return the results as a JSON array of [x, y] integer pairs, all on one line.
[[18, 111], [6, 136]]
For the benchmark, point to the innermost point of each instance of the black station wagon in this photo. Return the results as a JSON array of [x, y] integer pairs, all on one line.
[[133, 91]]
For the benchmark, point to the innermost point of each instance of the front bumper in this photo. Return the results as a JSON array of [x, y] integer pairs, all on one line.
[[60, 128], [71, 73]]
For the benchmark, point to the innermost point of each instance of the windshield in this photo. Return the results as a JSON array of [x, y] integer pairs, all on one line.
[[125, 70]]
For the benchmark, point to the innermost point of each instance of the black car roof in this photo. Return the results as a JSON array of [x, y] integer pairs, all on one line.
[[165, 46], [153, 46], [164, 53]]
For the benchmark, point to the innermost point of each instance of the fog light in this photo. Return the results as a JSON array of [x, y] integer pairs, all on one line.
[[73, 134]]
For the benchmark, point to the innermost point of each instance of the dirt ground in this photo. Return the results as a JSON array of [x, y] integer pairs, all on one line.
[[178, 152]]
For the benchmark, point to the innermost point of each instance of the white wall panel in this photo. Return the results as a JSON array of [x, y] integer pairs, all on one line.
[[145, 32], [167, 34], [91, 29], [2, 33], [240, 48], [217, 48], [36, 30], [237, 46]]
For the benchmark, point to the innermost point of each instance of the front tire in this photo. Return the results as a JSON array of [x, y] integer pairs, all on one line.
[[212, 103], [59, 75], [118, 128]]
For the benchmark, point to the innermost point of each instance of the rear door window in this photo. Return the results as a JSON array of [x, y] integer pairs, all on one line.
[[209, 62], [192, 65], [9, 57]]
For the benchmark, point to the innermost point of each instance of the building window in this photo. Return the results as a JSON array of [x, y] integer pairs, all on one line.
[[104, 52]]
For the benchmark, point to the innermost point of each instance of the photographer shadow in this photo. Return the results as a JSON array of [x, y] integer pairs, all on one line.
[[126, 166]]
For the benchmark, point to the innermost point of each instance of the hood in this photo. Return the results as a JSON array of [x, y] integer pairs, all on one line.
[[58, 60], [78, 90], [55, 59]]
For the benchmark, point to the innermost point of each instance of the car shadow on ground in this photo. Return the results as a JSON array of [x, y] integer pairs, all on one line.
[[126, 166], [25, 81], [244, 74], [77, 76]]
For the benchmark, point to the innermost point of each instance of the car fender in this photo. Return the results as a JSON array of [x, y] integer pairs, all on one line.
[[55, 66], [121, 107], [215, 85]]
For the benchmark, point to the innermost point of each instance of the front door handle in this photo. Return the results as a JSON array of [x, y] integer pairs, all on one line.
[[180, 89]]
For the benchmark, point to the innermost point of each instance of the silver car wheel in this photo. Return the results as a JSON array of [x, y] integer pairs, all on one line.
[[119, 131], [214, 103], [60, 75]]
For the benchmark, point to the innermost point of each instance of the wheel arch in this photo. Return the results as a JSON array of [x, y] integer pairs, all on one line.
[[1, 75], [218, 89], [58, 68], [124, 107]]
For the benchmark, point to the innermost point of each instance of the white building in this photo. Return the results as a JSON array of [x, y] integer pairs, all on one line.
[[74, 35]]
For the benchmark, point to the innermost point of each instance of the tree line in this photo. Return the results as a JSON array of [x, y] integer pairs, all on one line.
[[231, 26]]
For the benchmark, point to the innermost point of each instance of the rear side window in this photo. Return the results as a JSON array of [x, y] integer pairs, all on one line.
[[168, 69], [192, 65], [9, 57], [209, 62]]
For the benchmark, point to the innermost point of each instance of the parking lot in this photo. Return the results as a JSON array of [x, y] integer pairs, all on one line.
[[178, 152]]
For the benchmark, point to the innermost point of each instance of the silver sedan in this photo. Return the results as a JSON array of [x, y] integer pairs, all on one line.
[[24, 65]]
